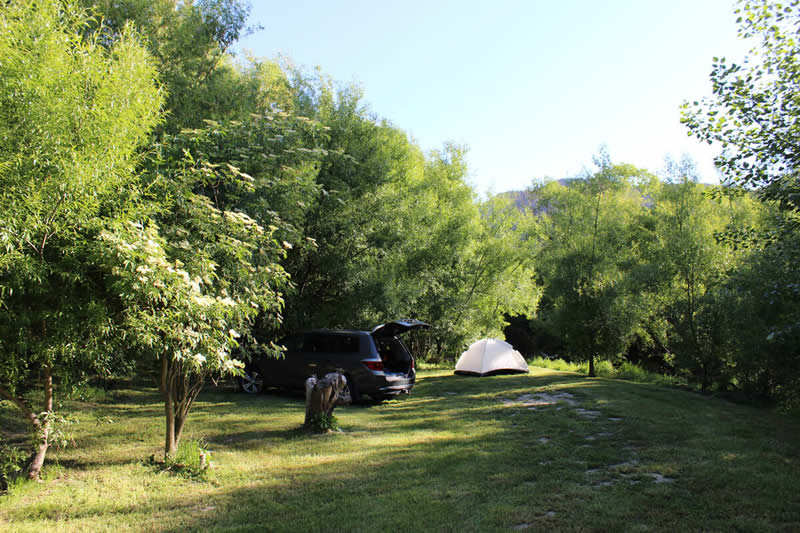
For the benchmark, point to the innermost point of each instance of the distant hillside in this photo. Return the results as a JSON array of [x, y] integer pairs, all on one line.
[[525, 201]]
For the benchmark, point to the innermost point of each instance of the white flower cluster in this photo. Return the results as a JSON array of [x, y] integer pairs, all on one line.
[[245, 220]]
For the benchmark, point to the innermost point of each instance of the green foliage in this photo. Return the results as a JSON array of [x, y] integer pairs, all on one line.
[[687, 289], [72, 114], [588, 246], [61, 433], [196, 274], [460, 264], [349, 224], [625, 370], [392, 232], [323, 423], [642, 272], [761, 304], [168, 307], [753, 115], [485, 270], [74, 108], [190, 42], [753, 110], [265, 165], [12, 463]]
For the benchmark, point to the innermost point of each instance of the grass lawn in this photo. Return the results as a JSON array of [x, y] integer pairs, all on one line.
[[542, 452]]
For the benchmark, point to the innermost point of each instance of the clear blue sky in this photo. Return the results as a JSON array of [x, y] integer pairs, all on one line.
[[533, 88]]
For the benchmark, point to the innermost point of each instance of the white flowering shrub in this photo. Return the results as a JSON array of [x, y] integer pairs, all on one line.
[[186, 299]]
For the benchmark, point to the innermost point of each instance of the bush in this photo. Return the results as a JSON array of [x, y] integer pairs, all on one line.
[[626, 370], [191, 460], [12, 463], [439, 365], [559, 364], [323, 423]]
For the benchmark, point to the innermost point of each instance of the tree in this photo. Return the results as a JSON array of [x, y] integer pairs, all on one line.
[[377, 229], [351, 224], [753, 114], [755, 104], [587, 249], [191, 44], [464, 264], [691, 269], [74, 107], [227, 188], [196, 272], [762, 306], [186, 314]]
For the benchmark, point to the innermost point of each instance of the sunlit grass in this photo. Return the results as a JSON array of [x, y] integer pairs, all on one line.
[[545, 451]]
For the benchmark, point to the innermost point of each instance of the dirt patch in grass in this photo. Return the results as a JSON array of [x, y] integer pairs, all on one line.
[[541, 399], [629, 472]]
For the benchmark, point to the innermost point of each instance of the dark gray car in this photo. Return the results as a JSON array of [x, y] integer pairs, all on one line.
[[376, 363]]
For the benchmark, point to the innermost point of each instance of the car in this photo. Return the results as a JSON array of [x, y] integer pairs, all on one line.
[[375, 363]]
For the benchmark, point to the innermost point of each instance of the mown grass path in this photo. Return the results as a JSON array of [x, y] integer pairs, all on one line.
[[548, 451]]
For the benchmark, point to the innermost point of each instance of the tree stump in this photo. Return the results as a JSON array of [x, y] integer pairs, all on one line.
[[321, 397]]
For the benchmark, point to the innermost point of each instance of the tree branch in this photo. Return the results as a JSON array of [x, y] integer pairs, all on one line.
[[23, 406]]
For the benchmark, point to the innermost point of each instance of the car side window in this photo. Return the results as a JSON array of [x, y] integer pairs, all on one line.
[[293, 343], [348, 344], [314, 343], [332, 343]]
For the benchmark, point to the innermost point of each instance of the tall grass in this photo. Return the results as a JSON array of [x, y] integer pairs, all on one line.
[[192, 459], [626, 370], [438, 365]]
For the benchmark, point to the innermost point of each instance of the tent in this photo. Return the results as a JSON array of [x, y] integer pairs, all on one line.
[[491, 356]]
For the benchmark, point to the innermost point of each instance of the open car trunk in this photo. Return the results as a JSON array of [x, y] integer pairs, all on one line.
[[397, 327], [395, 355]]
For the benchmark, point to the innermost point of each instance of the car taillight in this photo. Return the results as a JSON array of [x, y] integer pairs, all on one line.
[[412, 363], [375, 366]]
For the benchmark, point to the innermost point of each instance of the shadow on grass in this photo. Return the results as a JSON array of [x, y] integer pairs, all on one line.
[[472, 463], [256, 439], [251, 420], [466, 454]]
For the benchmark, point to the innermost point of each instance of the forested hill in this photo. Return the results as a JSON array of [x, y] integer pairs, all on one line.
[[522, 200], [525, 200]]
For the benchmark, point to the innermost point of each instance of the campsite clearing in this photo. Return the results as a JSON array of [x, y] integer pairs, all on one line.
[[544, 451]]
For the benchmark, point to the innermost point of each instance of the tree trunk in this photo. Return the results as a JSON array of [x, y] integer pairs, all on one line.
[[591, 367], [170, 446], [321, 397], [179, 391], [43, 428], [179, 423]]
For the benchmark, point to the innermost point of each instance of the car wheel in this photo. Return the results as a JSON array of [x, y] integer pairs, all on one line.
[[252, 382], [350, 392]]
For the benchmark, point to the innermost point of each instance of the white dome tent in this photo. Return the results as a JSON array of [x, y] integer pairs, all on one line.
[[488, 357]]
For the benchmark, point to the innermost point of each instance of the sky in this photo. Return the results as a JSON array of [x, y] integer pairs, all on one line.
[[531, 88]]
